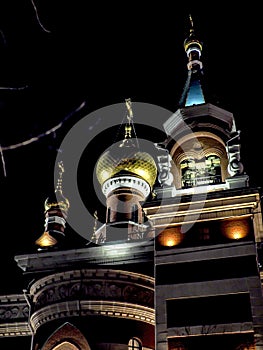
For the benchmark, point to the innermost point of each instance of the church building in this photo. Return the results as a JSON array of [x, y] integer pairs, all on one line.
[[176, 265]]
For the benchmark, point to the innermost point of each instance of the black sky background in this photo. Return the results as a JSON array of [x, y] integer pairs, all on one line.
[[58, 55]]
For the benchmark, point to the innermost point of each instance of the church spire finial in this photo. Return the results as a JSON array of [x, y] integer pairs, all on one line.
[[127, 141], [128, 127], [193, 92], [59, 179], [129, 109], [191, 43], [191, 22]]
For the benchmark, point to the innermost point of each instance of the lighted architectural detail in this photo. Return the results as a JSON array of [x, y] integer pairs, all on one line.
[[65, 345], [56, 211], [66, 337], [165, 174], [134, 344], [235, 166], [196, 172], [170, 237], [236, 229]]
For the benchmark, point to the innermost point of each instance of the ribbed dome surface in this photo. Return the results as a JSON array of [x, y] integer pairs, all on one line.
[[126, 160]]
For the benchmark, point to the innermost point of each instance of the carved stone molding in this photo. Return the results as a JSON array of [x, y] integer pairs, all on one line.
[[13, 306], [104, 291], [14, 313], [92, 308]]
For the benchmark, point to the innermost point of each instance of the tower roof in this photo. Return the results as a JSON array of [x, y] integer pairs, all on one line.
[[193, 90]]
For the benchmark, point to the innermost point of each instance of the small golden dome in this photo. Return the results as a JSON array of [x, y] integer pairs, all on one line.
[[46, 240], [127, 160]]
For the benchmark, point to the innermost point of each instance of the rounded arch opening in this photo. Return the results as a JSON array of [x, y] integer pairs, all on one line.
[[199, 159]]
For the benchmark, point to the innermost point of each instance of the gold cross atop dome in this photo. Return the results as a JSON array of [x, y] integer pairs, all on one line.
[[122, 159]]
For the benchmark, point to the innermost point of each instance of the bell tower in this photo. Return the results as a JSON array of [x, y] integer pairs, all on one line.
[[207, 274]]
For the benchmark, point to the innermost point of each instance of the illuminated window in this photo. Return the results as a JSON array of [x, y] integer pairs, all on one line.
[[135, 213], [65, 345], [108, 214], [134, 344], [66, 337], [204, 171]]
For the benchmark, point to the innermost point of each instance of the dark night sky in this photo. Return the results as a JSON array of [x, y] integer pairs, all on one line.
[[58, 54]]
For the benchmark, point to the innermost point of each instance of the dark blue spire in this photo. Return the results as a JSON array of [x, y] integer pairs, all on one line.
[[193, 92]]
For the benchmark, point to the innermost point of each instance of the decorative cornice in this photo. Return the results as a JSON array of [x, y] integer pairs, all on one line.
[[14, 312], [92, 283], [92, 308], [180, 122], [108, 292], [15, 329], [121, 254], [202, 210], [133, 182], [233, 328], [13, 306]]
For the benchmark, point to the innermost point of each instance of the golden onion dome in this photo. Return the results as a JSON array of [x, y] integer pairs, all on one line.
[[128, 160]]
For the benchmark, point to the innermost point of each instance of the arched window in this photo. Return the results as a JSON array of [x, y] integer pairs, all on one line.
[[66, 337], [135, 213], [213, 168], [134, 344], [188, 173], [198, 172], [108, 214], [65, 345]]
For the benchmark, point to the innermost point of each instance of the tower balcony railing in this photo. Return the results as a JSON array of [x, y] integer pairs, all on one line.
[[202, 180]]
